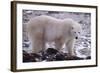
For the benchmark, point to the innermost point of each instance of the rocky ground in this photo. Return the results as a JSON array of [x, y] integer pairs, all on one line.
[[49, 55]]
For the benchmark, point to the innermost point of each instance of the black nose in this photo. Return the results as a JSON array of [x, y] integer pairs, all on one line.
[[76, 37]]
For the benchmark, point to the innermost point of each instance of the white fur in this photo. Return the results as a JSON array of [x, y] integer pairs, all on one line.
[[42, 29]]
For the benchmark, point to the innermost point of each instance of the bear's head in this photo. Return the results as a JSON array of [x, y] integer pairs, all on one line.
[[73, 28], [76, 30]]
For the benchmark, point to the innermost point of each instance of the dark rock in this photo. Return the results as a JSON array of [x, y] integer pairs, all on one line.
[[59, 57], [25, 40], [50, 58], [27, 57], [25, 45], [32, 57], [74, 58], [89, 57], [44, 56], [35, 56], [51, 51], [50, 54]]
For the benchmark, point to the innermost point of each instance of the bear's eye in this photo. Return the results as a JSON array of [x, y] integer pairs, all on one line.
[[72, 28], [79, 32]]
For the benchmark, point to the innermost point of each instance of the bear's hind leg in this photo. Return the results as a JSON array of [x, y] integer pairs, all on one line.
[[38, 44]]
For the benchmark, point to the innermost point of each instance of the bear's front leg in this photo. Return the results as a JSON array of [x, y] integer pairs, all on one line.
[[70, 48]]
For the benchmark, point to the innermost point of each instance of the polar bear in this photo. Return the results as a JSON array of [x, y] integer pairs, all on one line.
[[42, 29]]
